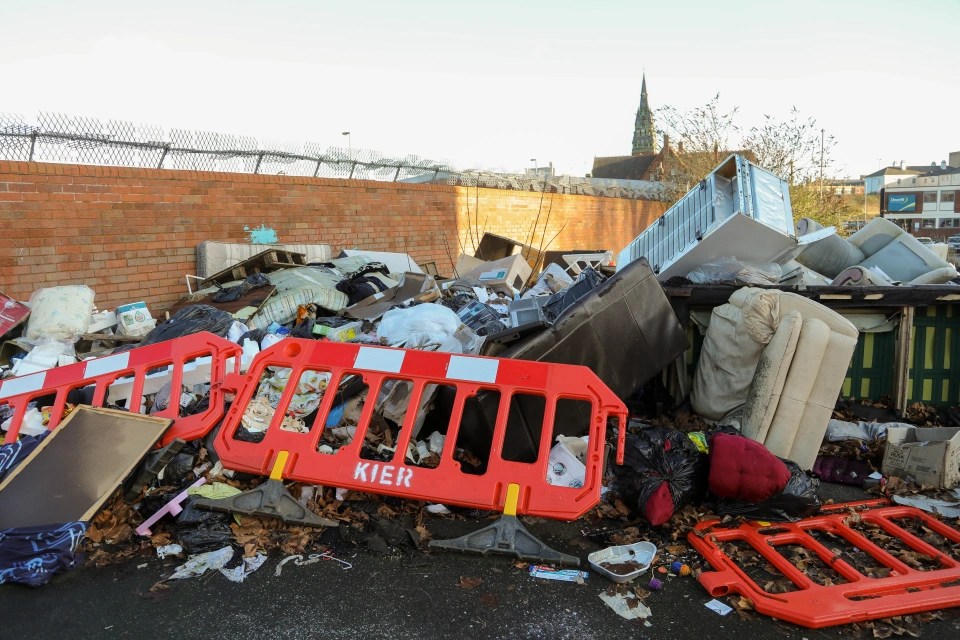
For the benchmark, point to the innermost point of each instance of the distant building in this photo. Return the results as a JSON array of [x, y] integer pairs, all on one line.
[[845, 187], [644, 135], [921, 203], [888, 175], [645, 161]]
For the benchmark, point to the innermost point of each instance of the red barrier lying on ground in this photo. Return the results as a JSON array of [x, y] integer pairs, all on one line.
[[857, 561]]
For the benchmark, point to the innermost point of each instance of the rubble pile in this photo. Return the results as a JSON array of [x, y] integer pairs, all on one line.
[[307, 408]]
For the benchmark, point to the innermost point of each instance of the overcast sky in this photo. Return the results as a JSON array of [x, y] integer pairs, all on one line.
[[493, 84]]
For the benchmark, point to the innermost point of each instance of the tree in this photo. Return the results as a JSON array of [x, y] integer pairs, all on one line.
[[699, 140], [793, 148]]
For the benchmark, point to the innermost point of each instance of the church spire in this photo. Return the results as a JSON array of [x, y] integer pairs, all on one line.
[[644, 135]]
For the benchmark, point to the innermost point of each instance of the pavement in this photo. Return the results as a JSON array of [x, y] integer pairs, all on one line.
[[410, 595]]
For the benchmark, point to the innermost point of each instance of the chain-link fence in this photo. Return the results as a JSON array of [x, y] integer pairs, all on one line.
[[55, 137]]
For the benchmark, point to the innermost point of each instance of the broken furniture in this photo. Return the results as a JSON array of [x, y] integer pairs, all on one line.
[[738, 210], [880, 253], [624, 330], [75, 469], [779, 358]]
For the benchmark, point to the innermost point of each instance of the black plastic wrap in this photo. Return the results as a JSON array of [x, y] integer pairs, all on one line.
[[588, 280], [798, 500], [189, 320], [658, 456]]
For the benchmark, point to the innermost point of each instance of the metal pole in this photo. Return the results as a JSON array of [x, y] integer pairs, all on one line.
[[163, 156], [317, 170], [256, 169], [821, 165], [33, 143]]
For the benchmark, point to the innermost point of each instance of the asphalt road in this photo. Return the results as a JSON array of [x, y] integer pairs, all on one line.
[[413, 595]]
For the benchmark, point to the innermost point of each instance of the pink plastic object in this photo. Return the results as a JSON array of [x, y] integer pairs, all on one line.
[[173, 508]]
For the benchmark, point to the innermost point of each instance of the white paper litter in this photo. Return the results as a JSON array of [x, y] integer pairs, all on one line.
[[943, 508], [627, 606], [199, 564], [169, 550], [240, 572], [718, 607]]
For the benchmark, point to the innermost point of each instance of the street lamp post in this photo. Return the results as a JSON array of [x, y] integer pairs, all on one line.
[[534, 161], [349, 143]]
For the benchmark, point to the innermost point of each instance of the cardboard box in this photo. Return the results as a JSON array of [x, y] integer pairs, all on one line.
[[930, 456]]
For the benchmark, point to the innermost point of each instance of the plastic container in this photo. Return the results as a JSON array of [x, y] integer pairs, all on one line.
[[342, 333], [640, 552]]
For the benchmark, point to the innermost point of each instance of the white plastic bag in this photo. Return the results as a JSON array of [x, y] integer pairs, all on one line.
[[60, 313], [420, 327]]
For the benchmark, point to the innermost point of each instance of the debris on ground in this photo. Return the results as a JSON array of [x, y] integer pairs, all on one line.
[[680, 424]]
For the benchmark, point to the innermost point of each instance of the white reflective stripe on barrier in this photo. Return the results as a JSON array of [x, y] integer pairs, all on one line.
[[386, 360], [108, 364], [473, 369], [23, 384]]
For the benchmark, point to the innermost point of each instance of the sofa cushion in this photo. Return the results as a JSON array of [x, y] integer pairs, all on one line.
[[743, 469]]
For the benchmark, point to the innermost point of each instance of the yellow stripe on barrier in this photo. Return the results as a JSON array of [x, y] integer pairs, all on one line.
[[513, 496], [277, 473]]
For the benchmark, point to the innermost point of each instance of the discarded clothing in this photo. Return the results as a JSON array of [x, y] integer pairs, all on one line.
[[33, 555]]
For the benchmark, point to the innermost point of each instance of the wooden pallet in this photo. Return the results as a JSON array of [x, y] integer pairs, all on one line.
[[263, 262]]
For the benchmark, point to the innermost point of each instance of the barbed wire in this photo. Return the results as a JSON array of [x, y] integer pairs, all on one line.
[[62, 138]]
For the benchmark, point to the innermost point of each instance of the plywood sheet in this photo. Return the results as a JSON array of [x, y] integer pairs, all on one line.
[[76, 468]]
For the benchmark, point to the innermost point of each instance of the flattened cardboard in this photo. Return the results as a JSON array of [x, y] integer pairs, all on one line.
[[12, 314], [930, 456], [412, 286], [507, 274], [77, 467]]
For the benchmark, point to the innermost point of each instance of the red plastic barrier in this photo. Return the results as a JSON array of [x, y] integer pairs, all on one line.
[[129, 370], [854, 596], [447, 483]]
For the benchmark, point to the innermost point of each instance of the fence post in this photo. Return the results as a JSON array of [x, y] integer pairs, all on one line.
[[352, 168], [397, 174], [317, 170], [256, 169], [163, 156], [33, 143]]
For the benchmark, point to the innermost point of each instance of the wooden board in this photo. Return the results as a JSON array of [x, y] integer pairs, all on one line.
[[254, 298], [76, 468]]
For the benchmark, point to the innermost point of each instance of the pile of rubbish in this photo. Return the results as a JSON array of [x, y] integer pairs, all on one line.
[[290, 405]]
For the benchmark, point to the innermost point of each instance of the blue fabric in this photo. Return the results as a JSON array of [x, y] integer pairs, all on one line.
[[32, 555], [11, 454]]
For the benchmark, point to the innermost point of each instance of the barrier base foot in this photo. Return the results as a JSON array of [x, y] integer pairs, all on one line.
[[506, 536], [270, 500]]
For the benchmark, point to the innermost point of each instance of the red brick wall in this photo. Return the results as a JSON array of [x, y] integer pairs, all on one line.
[[131, 234]]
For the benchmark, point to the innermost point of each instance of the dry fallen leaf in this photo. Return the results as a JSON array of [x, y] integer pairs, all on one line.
[[468, 583]]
